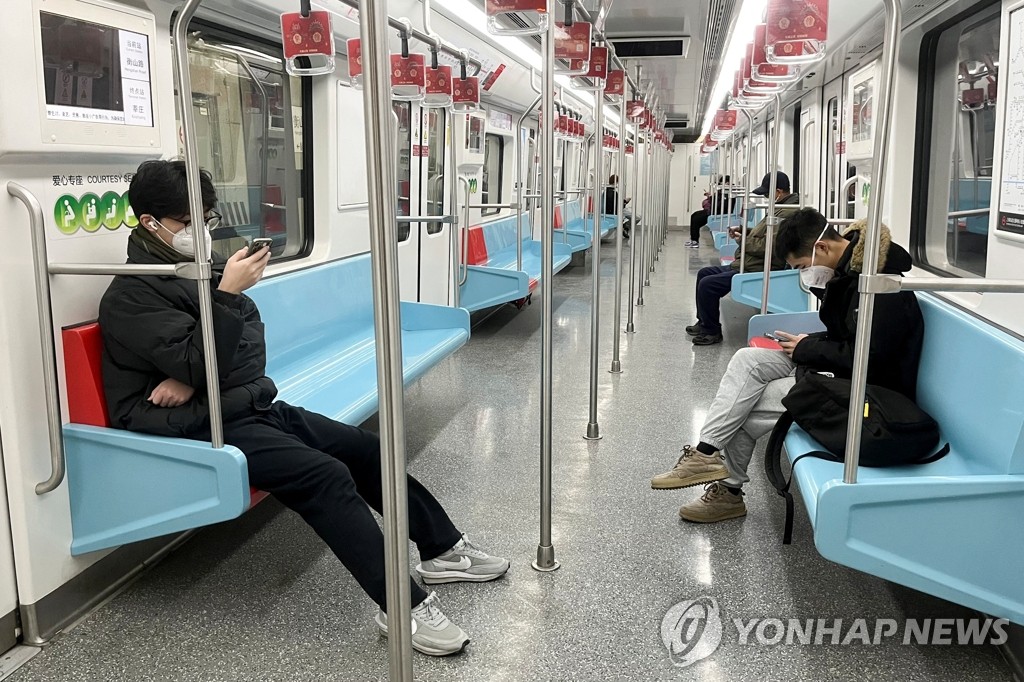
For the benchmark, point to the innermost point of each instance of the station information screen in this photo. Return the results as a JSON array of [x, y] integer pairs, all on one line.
[[95, 73]]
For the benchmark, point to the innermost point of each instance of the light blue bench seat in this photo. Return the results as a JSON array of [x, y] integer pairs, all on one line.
[[784, 292], [126, 486], [950, 528], [579, 230], [493, 277]]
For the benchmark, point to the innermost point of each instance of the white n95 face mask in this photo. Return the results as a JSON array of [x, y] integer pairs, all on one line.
[[184, 241], [817, 276]]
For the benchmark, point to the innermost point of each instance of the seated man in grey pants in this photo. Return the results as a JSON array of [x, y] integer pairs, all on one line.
[[749, 399]]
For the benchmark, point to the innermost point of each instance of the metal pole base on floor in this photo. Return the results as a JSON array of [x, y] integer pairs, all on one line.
[[616, 366], [545, 562], [631, 328], [593, 431]]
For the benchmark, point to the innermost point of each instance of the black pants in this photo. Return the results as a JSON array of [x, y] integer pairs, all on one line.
[[328, 472], [698, 219], [713, 283]]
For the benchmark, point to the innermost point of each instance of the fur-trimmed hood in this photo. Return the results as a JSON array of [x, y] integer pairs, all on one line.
[[892, 258]]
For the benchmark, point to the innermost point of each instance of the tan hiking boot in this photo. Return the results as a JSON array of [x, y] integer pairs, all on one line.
[[716, 504], [693, 468]]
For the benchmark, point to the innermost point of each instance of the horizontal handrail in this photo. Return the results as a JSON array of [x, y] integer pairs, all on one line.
[[513, 207], [187, 270], [427, 219], [426, 39], [969, 212], [891, 284]]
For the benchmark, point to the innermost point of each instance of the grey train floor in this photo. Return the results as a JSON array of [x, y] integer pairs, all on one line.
[[261, 598]]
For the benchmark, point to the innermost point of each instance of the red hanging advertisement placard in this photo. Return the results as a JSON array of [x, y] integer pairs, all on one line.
[[572, 42], [310, 37], [466, 93], [760, 67], [725, 119], [355, 61], [796, 31], [598, 63], [408, 70], [503, 6], [635, 109], [307, 35], [439, 86], [615, 85], [797, 20]]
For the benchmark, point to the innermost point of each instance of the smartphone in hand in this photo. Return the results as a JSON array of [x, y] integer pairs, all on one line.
[[257, 244], [774, 337]]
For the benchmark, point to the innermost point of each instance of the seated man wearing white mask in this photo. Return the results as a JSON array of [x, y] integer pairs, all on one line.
[[154, 376], [749, 399]]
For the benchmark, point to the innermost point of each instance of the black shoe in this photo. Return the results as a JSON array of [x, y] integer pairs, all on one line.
[[707, 339], [694, 330]]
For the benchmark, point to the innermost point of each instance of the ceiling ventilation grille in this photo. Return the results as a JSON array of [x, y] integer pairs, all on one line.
[[720, 13]]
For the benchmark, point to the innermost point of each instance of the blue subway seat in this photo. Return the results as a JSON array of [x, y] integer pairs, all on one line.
[[721, 223], [500, 237], [949, 528], [128, 486], [579, 229], [721, 239], [784, 292]]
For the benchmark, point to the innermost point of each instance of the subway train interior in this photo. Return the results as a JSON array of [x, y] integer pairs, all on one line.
[[492, 226]]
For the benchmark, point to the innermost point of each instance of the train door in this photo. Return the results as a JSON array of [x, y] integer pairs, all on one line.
[[809, 149], [409, 140], [434, 237], [833, 161], [8, 582], [859, 90]]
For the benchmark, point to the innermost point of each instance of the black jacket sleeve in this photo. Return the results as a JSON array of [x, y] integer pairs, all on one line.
[[887, 336], [147, 324]]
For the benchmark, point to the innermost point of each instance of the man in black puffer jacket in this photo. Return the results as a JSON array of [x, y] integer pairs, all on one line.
[[749, 398], [154, 376]]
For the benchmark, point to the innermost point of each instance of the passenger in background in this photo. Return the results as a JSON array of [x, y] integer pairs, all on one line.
[[327, 472], [749, 399], [712, 205], [611, 205], [715, 281]]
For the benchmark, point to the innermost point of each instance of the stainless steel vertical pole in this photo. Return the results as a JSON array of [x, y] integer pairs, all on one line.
[[619, 207], [593, 429], [519, 181], [649, 207], [746, 181], [545, 549], [453, 200], [637, 215], [382, 207], [646, 222], [886, 93], [771, 220], [197, 213]]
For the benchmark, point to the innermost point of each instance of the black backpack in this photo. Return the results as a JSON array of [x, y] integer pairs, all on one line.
[[896, 431]]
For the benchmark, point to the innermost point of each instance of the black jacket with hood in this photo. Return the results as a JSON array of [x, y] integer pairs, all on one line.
[[151, 331], [897, 331]]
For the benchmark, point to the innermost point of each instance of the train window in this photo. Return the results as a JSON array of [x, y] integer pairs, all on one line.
[[954, 172], [249, 122], [434, 120], [403, 110], [490, 186]]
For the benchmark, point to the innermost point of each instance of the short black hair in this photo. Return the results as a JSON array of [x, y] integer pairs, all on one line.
[[613, 179], [160, 188], [798, 233]]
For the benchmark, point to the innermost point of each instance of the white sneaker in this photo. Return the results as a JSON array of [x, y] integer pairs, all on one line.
[[432, 633], [462, 563]]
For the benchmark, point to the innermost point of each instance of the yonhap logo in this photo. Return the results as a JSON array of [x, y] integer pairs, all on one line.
[[692, 631]]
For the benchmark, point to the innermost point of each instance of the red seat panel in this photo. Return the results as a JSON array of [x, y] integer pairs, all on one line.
[[83, 353], [558, 217], [477, 246], [83, 371]]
